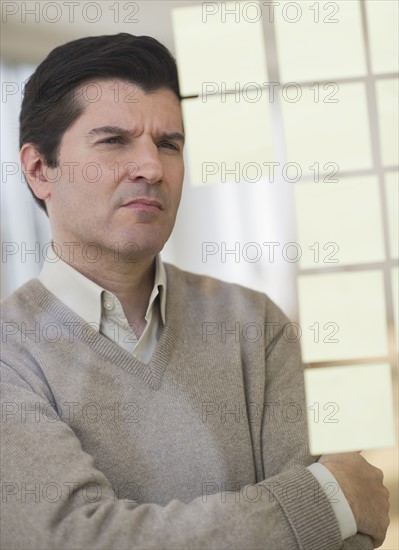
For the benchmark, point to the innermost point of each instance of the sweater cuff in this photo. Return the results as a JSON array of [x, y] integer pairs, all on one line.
[[306, 508], [342, 510]]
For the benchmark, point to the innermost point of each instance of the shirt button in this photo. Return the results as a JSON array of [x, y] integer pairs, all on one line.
[[108, 305]]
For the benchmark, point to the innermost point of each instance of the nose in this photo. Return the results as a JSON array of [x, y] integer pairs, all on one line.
[[145, 165]]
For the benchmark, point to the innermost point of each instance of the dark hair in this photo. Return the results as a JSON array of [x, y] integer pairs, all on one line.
[[49, 107]]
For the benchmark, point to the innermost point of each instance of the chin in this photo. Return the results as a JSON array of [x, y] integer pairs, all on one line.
[[139, 248]]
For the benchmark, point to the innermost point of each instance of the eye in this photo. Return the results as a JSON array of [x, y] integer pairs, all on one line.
[[111, 140], [169, 145]]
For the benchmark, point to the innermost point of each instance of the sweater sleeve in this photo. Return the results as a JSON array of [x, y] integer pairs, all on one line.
[[54, 496], [285, 450]]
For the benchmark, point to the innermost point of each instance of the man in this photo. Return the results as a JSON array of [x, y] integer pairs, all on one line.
[[127, 422]]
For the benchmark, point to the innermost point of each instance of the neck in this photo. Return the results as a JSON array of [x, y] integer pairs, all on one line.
[[129, 277]]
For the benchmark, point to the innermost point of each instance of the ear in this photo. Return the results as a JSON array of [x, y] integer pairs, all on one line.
[[35, 170]]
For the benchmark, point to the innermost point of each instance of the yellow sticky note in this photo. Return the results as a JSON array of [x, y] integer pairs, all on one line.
[[382, 23], [340, 223], [342, 316], [395, 299], [392, 198], [327, 130], [349, 408], [319, 40], [388, 119], [227, 141], [219, 46]]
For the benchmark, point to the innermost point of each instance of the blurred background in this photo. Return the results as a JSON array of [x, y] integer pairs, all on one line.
[[291, 187]]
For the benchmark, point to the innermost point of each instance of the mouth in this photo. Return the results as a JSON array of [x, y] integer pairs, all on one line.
[[144, 204]]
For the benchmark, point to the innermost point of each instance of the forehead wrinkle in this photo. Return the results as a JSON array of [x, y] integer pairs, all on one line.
[[117, 130]]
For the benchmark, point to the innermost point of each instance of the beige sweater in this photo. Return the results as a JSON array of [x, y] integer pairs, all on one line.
[[204, 447]]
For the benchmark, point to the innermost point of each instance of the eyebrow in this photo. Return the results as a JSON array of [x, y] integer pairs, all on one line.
[[107, 130], [116, 130]]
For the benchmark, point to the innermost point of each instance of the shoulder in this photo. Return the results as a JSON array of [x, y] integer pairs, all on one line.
[[22, 301], [23, 316], [220, 295], [22, 321]]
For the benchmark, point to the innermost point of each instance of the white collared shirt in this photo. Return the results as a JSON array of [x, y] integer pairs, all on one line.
[[102, 309]]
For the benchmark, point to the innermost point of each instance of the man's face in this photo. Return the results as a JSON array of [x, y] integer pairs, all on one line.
[[126, 146]]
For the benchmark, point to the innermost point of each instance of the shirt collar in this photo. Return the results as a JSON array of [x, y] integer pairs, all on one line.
[[84, 296], [159, 288]]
